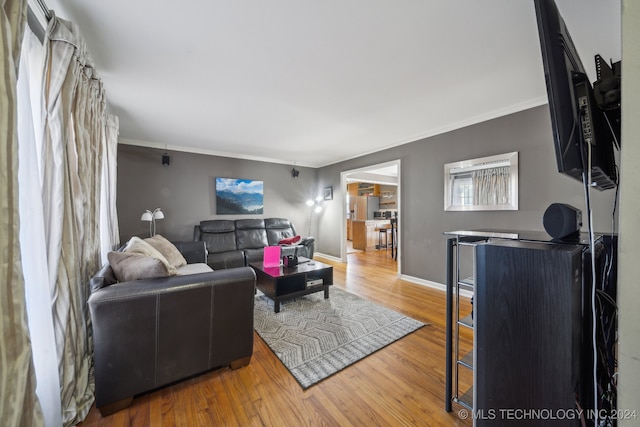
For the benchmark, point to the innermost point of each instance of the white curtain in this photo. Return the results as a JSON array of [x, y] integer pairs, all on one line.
[[38, 295], [109, 231], [491, 186]]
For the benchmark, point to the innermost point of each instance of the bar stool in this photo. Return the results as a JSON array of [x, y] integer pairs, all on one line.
[[382, 230], [394, 238]]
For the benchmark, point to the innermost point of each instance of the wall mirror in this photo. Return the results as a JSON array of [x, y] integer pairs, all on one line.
[[484, 184]]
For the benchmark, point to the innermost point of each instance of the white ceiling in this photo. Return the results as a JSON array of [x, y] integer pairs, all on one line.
[[310, 82]]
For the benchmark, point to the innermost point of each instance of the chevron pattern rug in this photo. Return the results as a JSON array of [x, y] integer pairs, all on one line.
[[316, 337]]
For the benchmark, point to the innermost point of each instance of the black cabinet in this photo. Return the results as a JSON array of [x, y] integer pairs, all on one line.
[[528, 305]]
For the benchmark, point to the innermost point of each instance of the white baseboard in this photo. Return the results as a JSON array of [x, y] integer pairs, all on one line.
[[329, 257], [434, 285], [416, 280]]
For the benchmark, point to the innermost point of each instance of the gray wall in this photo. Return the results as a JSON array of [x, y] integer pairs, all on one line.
[[422, 216], [185, 190]]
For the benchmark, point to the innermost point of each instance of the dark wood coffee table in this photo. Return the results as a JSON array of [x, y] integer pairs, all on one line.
[[281, 283]]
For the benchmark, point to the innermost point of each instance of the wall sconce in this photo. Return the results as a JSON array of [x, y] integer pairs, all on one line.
[[315, 206], [166, 160], [295, 172], [151, 218]]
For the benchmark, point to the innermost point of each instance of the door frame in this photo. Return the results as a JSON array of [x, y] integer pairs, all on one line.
[[343, 186]]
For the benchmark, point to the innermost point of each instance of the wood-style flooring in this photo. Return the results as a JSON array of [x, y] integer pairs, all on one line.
[[402, 384]]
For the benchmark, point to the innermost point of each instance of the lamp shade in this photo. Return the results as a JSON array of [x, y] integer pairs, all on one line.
[[151, 218]]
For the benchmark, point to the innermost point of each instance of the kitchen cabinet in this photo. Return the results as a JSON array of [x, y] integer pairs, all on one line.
[[352, 189], [365, 233], [367, 189], [359, 234]]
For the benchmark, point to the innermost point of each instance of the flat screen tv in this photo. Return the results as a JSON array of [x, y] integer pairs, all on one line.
[[576, 117]]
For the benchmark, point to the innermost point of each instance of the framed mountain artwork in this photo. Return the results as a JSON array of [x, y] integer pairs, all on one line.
[[239, 196]]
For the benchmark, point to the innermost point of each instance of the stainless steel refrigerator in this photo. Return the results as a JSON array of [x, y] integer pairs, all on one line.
[[365, 206]]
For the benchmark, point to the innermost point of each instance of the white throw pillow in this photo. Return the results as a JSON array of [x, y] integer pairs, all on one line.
[[138, 246]]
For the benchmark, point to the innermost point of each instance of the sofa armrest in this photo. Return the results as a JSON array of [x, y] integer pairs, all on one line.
[[308, 242], [304, 247], [193, 252]]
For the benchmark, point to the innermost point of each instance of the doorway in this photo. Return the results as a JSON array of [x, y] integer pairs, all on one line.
[[384, 181]]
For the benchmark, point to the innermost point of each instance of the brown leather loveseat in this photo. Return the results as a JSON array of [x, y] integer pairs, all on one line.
[[152, 332]]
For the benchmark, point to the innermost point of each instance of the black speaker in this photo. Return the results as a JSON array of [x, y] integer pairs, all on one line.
[[562, 221], [166, 160]]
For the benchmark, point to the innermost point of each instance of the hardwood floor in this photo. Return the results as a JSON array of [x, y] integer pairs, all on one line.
[[400, 385]]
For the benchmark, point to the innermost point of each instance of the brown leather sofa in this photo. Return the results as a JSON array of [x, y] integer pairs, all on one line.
[[236, 243], [153, 332]]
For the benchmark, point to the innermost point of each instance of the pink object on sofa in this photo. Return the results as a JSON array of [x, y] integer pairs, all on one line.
[[289, 240], [271, 256]]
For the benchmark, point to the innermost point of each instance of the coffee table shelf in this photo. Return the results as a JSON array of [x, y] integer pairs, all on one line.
[[281, 283]]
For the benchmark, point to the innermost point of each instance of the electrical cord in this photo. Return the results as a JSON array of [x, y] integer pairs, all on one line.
[[600, 297], [601, 300], [586, 179]]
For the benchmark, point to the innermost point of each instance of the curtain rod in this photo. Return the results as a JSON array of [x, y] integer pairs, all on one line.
[[44, 8]]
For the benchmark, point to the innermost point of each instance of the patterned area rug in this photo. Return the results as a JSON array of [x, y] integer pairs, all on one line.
[[316, 337]]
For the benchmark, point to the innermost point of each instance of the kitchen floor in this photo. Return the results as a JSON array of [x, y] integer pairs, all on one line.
[[350, 249], [370, 255]]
